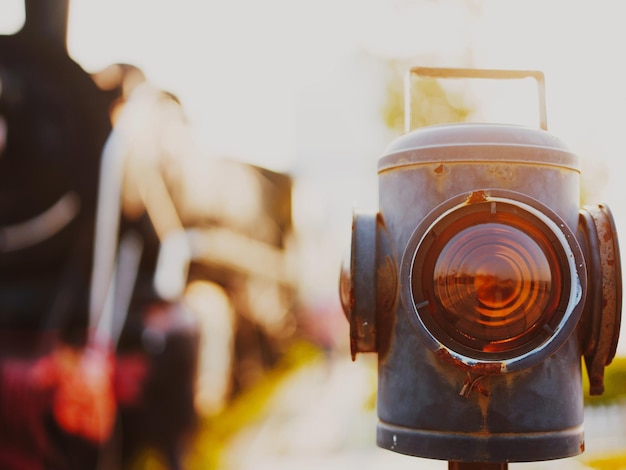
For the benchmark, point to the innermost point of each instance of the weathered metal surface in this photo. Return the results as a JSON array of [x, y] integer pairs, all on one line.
[[519, 205], [478, 143], [441, 396], [361, 298], [428, 406], [602, 316], [386, 287], [476, 466], [368, 289]]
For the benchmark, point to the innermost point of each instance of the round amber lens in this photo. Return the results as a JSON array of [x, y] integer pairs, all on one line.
[[495, 281], [492, 282]]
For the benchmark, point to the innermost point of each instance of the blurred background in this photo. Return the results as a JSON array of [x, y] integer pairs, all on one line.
[[272, 116]]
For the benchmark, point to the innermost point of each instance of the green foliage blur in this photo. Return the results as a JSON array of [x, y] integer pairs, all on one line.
[[614, 384], [216, 432], [431, 103], [608, 462]]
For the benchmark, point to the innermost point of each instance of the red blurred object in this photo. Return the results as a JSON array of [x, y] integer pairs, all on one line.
[[23, 437], [129, 377], [83, 398]]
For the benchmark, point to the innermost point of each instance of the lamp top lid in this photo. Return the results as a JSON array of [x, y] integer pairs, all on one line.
[[478, 142]]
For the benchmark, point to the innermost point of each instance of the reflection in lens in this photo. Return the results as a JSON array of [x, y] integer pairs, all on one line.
[[494, 285]]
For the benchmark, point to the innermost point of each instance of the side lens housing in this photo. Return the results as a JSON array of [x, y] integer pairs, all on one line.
[[496, 281]]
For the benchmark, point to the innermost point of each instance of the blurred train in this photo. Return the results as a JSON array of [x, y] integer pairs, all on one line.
[[141, 282]]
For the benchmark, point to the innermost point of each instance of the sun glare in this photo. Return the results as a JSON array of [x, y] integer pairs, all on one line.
[[12, 17]]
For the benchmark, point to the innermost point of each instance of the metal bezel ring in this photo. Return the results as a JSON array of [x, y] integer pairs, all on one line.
[[573, 293]]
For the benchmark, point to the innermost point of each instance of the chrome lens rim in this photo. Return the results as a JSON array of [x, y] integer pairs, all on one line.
[[571, 299]]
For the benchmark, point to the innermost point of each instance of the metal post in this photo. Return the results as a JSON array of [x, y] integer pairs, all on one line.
[[477, 466]]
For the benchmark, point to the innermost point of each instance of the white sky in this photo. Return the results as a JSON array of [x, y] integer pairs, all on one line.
[[296, 85], [247, 71]]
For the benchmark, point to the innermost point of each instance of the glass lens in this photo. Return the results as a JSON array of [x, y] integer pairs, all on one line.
[[495, 285]]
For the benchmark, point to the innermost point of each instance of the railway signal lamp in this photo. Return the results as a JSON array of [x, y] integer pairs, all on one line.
[[481, 282]]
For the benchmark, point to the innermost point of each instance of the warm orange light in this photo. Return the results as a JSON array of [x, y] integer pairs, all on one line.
[[491, 279]]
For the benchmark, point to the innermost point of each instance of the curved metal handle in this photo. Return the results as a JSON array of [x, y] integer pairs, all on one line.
[[439, 72]]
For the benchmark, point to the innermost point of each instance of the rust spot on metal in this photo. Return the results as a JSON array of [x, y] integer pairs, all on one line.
[[494, 368], [445, 356], [472, 384], [439, 169], [605, 313], [477, 196]]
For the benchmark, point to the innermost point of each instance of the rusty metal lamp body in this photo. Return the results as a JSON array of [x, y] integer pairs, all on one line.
[[481, 283]]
